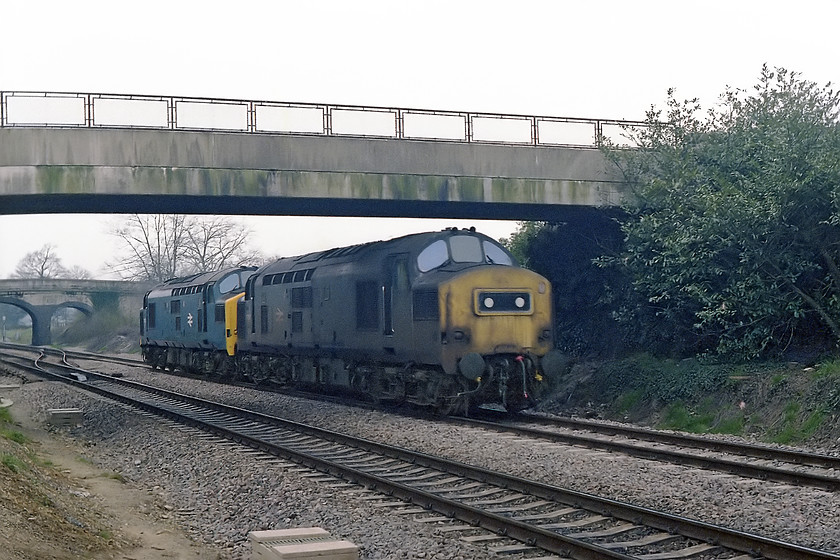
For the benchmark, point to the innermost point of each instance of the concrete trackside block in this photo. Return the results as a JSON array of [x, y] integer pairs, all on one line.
[[64, 416], [303, 543], [329, 550], [284, 535]]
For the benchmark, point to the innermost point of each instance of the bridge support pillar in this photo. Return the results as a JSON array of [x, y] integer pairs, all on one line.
[[41, 319]]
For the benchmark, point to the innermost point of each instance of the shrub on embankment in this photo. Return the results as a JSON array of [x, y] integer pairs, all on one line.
[[779, 402]]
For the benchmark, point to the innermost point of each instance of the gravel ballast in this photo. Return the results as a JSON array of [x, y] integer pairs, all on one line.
[[220, 492]]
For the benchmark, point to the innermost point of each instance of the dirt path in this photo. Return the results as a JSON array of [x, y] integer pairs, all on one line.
[[134, 512]]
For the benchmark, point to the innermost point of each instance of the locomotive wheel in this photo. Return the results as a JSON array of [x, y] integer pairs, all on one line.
[[370, 386], [155, 358], [367, 382], [207, 363], [449, 398], [222, 366], [260, 373], [452, 406]]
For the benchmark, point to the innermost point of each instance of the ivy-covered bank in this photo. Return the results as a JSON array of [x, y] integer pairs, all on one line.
[[775, 402]]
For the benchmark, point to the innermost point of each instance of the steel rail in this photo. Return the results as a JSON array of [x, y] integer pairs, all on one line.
[[735, 540], [689, 440], [78, 354], [740, 468]]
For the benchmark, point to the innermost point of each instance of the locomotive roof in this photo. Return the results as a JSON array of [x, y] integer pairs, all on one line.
[[410, 243], [199, 279]]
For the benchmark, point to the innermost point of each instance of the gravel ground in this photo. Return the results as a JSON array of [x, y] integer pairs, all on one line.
[[221, 493]]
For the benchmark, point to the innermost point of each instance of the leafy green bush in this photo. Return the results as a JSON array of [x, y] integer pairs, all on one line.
[[13, 435], [628, 401], [565, 252], [707, 417], [733, 235], [732, 426]]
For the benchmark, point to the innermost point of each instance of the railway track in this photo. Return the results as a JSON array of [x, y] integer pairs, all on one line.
[[786, 466], [481, 503]]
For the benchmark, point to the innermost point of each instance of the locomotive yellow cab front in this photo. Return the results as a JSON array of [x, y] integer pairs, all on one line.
[[497, 321], [494, 310]]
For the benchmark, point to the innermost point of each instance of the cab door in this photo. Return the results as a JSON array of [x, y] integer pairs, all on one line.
[[396, 324], [206, 295]]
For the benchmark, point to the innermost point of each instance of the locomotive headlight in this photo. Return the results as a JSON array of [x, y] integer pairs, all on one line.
[[501, 302]]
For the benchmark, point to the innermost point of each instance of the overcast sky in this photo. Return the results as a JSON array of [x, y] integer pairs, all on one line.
[[607, 59]]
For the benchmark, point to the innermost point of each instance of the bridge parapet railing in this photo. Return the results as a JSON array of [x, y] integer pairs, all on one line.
[[100, 110]]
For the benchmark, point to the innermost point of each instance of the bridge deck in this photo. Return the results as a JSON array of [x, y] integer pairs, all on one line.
[[98, 159]]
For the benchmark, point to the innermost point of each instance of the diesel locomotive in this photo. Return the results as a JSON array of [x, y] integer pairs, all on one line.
[[441, 319]]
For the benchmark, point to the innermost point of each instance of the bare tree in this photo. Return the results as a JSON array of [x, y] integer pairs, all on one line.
[[165, 246], [43, 263], [78, 273], [154, 244], [215, 242]]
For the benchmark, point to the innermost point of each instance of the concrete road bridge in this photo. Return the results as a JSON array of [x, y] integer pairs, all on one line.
[[97, 153], [42, 298]]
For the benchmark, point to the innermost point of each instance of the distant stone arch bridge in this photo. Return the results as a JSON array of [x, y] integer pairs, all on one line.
[[42, 298]]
